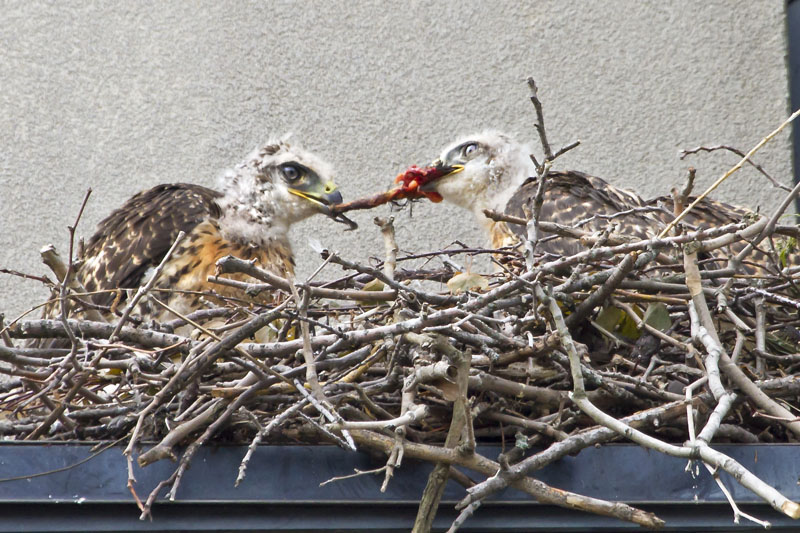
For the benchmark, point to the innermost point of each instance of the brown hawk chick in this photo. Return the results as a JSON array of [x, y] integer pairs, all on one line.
[[277, 185], [492, 171], [495, 172]]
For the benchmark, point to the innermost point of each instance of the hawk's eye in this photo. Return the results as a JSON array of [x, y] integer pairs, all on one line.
[[291, 173], [469, 149]]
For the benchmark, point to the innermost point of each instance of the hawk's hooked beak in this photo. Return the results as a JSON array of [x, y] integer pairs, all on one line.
[[446, 170], [324, 197], [443, 170]]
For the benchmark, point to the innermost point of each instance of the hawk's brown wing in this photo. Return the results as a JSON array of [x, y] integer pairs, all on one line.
[[709, 214], [137, 236], [706, 214], [572, 197]]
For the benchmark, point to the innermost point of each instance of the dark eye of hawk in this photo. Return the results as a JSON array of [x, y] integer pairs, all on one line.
[[291, 172], [469, 150]]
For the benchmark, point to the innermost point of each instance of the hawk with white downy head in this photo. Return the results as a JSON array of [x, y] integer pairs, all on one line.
[[259, 199], [492, 171]]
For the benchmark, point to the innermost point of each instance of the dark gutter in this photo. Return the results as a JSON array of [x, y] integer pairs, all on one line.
[[282, 492]]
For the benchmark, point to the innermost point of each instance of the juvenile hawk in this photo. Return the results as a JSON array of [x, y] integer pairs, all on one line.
[[277, 185], [495, 172]]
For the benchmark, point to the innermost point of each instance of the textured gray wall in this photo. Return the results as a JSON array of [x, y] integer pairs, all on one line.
[[120, 96]]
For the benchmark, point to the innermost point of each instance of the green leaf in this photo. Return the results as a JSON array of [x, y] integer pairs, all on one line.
[[610, 317], [657, 316], [617, 321], [785, 247]]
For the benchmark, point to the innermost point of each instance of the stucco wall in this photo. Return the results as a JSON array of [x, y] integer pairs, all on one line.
[[122, 96]]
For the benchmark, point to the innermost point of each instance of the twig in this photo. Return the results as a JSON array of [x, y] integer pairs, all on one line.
[[540, 491], [738, 152], [230, 264], [386, 226], [144, 289], [727, 174]]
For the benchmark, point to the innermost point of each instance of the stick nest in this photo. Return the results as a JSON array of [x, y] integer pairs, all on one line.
[[412, 357]]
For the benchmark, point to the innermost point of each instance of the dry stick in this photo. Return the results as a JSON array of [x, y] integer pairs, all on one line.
[[407, 397], [263, 432], [64, 273], [159, 397], [65, 286], [656, 243], [4, 334], [485, 382], [203, 359], [539, 427], [76, 387], [734, 373], [144, 289], [542, 492], [255, 366], [417, 412], [52, 259], [713, 424], [432, 495], [423, 296], [704, 452], [709, 339], [316, 292], [99, 330], [571, 445], [759, 397], [232, 407], [69, 424], [153, 495], [590, 238], [761, 334], [714, 473], [342, 443], [769, 228], [84, 375], [326, 411], [210, 430], [725, 176], [532, 225], [777, 298], [164, 448], [308, 355], [386, 226], [604, 291], [230, 264], [714, 243], [738, 152], [703, 330], [358, 473], [463, 516], [539, 125]]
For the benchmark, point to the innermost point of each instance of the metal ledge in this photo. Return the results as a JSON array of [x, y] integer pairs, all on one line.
[[282, 492]]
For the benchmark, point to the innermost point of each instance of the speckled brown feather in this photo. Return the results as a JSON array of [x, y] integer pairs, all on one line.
[[571, 197], [711, 213], [135, 237], [706, 214], [194, 260]]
